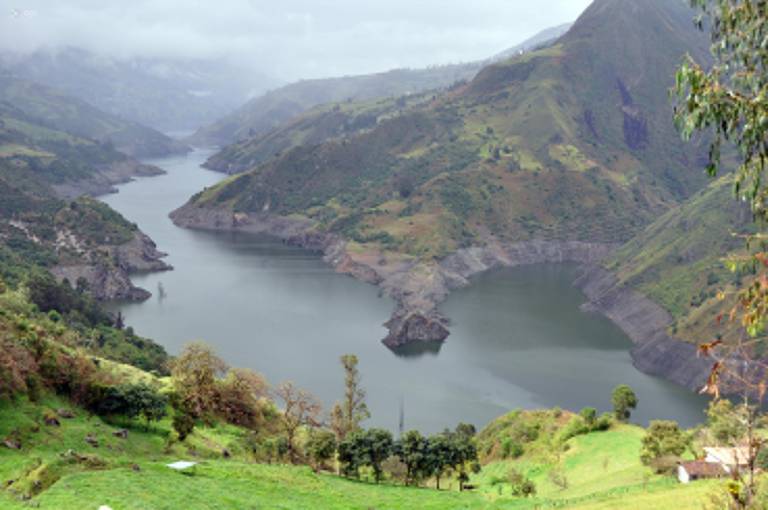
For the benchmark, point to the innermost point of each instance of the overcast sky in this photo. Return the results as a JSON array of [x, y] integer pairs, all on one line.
[[288, 39]]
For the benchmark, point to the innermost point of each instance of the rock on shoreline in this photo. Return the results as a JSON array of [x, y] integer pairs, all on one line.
[[104, 181], [108, 274]]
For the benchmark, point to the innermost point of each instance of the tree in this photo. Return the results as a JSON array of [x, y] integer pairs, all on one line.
[[195, 373], [377, 447], [728, 99], [240, 396], [462, 451], [119, 321], [300, 409], [413, 450], [663, 444], [726, 422], [321, 448], [624, 400], [439, 459], [347, 415]]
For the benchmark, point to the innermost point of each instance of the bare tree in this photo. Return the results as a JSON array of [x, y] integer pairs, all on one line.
[[301, 409]]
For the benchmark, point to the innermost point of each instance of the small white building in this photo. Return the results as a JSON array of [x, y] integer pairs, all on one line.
[[731, 459], [688, 472]]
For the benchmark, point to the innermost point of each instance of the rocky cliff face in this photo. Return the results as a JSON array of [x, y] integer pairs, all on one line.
[[107, 269], [646, 324]]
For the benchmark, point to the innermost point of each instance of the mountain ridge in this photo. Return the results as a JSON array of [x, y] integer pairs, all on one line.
[[567, 144]]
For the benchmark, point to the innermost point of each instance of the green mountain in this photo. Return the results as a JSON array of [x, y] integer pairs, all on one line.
[[269, 111], [41, 133], [274, 109], [47, 158], [320, 124], [83, 241], [58, 111], [574, 141], [677, 261]]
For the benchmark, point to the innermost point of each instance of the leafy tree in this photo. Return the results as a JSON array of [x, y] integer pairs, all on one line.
[[321, 447], [348, 457], [195, 373], [462, 451], [728, 99], [377, 447], [413, 450], [440, 456], [365, 448], [239, 397], [663, 445], [347, 415], [726, 422], [624, 400], [300, 408]]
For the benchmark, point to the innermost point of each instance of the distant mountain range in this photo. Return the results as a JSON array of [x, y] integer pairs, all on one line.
[[166, 94], [270, 111]]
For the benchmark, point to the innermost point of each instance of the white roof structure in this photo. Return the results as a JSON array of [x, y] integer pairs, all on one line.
[[738, 456], [181, 465]]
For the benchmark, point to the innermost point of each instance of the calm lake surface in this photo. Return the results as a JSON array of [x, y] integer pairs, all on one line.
[[518, 337]]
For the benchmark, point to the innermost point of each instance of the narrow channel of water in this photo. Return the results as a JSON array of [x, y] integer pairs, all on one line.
[[518, 337]]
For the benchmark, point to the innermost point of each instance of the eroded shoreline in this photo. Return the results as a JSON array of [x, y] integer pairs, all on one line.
[[419, 288]]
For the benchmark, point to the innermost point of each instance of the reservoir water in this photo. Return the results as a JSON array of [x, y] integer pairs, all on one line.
[[518, 337]]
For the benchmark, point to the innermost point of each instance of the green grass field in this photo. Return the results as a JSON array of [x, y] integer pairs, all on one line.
[[603, 471]]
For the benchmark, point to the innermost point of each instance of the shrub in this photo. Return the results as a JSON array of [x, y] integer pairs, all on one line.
[[589, 414], [521, 486], [321, 447], [663, 444], [511, 448], [183, 423]]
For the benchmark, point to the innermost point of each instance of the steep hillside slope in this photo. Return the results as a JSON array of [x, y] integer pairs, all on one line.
[[272, 110], [269, 111], [553, 155], [84, 241], [54, 109], [71, 163], [662, 287], [321, 124]]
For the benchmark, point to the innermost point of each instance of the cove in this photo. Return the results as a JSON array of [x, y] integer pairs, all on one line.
[[518, 338]]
